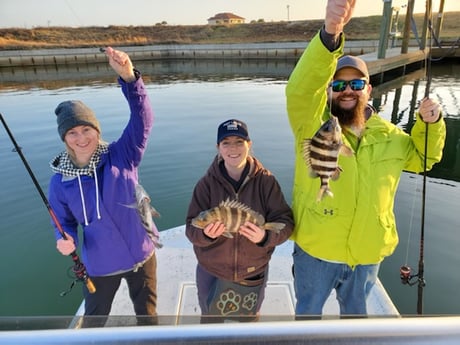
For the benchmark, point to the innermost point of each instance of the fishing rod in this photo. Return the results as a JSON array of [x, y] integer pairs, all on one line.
[[405, 271], [79, 269]]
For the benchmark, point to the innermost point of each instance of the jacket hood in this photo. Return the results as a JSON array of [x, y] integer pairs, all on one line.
[[62, 164]]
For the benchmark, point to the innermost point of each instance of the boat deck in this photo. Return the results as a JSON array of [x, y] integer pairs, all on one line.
[[177, 298]]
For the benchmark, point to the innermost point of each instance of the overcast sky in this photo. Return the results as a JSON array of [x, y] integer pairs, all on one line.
[[31, 13]]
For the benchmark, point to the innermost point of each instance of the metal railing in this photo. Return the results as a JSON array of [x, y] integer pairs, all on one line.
[[417, 330]]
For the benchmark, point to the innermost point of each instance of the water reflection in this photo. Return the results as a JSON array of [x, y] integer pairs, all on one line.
[[449, 167], [55, 77], [161, 72]]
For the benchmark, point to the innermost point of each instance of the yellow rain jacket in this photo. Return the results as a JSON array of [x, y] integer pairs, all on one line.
[[357, 225]]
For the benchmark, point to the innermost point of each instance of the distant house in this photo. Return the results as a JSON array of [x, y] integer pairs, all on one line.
[[225, 18]]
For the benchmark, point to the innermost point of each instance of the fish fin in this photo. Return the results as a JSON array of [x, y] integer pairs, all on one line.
[[306, 151], [336, 174], [306, 156], [154, 212], [243, 207], [276, 227], [346, 151], [227, 234], [129, 206], [234, 204]]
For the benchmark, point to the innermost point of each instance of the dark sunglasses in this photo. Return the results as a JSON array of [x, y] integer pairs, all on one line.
[[341, 85]]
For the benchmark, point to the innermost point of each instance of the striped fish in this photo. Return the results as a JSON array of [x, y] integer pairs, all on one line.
[[146, 211], [321, 153], [233, 214]]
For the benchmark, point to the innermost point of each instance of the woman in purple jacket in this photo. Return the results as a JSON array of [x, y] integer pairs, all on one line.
[[94, 187]]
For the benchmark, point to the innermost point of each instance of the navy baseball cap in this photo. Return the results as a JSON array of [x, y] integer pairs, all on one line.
[[232, 127]]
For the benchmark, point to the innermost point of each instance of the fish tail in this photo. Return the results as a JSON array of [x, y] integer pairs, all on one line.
[[276, 227], [324, 190], [158, 244]]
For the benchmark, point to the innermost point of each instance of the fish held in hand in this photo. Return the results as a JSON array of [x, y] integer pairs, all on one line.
[[146, 212], [233, 214], [321, 154]]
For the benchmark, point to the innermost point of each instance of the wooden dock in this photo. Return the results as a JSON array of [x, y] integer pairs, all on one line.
[[394, 64]]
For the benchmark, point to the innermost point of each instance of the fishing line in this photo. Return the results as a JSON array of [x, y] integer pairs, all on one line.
[[101, 49], [412, 211], [78, 268], [73, 12], [330, 99], [405, 271]]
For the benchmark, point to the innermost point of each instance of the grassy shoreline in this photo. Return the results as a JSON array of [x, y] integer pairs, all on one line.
[[360, 28]]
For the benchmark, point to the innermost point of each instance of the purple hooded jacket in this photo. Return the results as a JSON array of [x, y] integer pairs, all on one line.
[[114, 240]]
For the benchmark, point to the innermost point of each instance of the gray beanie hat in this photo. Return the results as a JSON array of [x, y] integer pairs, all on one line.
[[74, 113]]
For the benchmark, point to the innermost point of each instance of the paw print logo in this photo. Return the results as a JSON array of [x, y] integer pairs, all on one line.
[[249, 301], [229, 302]]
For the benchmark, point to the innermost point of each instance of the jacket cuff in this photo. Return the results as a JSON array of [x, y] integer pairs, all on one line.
[[331, 42]]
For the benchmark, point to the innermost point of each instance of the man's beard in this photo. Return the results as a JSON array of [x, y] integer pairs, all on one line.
[[352, 118]]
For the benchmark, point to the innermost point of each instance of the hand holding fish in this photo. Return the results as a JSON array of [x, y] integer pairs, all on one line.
[[214, 230], [252, 232], [121, 63], [338, 13], [232, 215], [429, 110], [65, 246]]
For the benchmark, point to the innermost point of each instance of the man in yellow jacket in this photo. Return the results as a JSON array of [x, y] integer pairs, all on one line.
[[341, 240]]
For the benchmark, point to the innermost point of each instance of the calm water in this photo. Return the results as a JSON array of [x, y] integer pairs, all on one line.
[[189, 101]]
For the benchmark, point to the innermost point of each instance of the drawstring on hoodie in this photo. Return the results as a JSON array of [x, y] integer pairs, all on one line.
[[82, 197], [97, 194]]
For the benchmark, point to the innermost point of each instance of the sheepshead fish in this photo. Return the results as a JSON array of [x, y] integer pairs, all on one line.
[[233, 214], [146, 212], [321, 154]]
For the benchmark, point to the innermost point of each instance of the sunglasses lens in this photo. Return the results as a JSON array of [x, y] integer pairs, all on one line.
[[341, 85], [357, 84]]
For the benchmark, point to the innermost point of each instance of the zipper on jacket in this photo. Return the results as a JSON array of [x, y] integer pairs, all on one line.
[[236, 238], [235, 263]]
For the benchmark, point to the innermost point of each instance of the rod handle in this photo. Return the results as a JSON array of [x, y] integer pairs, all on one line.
[[90, 285]]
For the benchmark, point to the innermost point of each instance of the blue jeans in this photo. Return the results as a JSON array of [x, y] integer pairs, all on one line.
[[314, 280]]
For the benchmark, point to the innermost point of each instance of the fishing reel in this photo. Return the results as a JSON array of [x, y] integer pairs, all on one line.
[[407, 278], [81, 275]]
